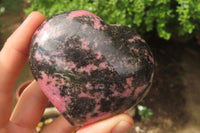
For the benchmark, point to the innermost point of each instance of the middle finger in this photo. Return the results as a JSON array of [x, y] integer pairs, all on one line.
[[30, 107]]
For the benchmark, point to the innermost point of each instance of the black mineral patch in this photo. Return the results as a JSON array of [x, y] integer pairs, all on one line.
[[81, 106], [105, 105]]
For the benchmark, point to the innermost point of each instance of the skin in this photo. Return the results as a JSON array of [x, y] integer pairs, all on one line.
[[23, 119]]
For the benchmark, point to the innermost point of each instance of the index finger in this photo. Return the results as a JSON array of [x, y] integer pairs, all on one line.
[[13, 57]]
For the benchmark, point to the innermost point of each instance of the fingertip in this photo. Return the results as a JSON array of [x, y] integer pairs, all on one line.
[[34, 19], [123, 125], [20, 39], [38, 14], [16, 48], [128, 118]]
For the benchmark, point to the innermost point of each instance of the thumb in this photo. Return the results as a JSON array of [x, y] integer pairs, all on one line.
[[59, 125], [116, 124]]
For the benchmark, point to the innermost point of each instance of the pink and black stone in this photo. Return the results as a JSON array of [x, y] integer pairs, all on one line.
[[90, 70]]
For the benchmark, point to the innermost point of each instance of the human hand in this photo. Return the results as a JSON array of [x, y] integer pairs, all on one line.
[[30, 107]]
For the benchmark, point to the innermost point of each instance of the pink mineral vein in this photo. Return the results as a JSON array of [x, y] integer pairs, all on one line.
[[129, 81], [97, 23], [99, 55], [87, 68], [70, 65], [44, 29], [136, 51], [103, 65], [80, 13], [134, 38], [82, 94], [52, 92], [138, 90], [151, 59], [127, 92], [40, 57], [89, 86], [84, 44]]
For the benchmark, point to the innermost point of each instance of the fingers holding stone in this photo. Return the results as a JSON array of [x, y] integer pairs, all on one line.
[[13, 56]]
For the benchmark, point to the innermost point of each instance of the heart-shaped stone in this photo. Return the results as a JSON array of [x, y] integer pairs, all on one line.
[[90, 70]]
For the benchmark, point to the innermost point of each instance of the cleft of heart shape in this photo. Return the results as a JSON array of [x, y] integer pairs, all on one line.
[[88, 69]]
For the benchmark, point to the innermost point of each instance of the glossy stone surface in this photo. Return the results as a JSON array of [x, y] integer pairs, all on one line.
[[90, 70]]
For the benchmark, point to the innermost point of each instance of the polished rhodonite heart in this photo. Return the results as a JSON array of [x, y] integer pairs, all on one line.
[[90, 70]]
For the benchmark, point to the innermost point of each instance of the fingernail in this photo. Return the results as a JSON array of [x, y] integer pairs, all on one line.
[[121, 127]]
